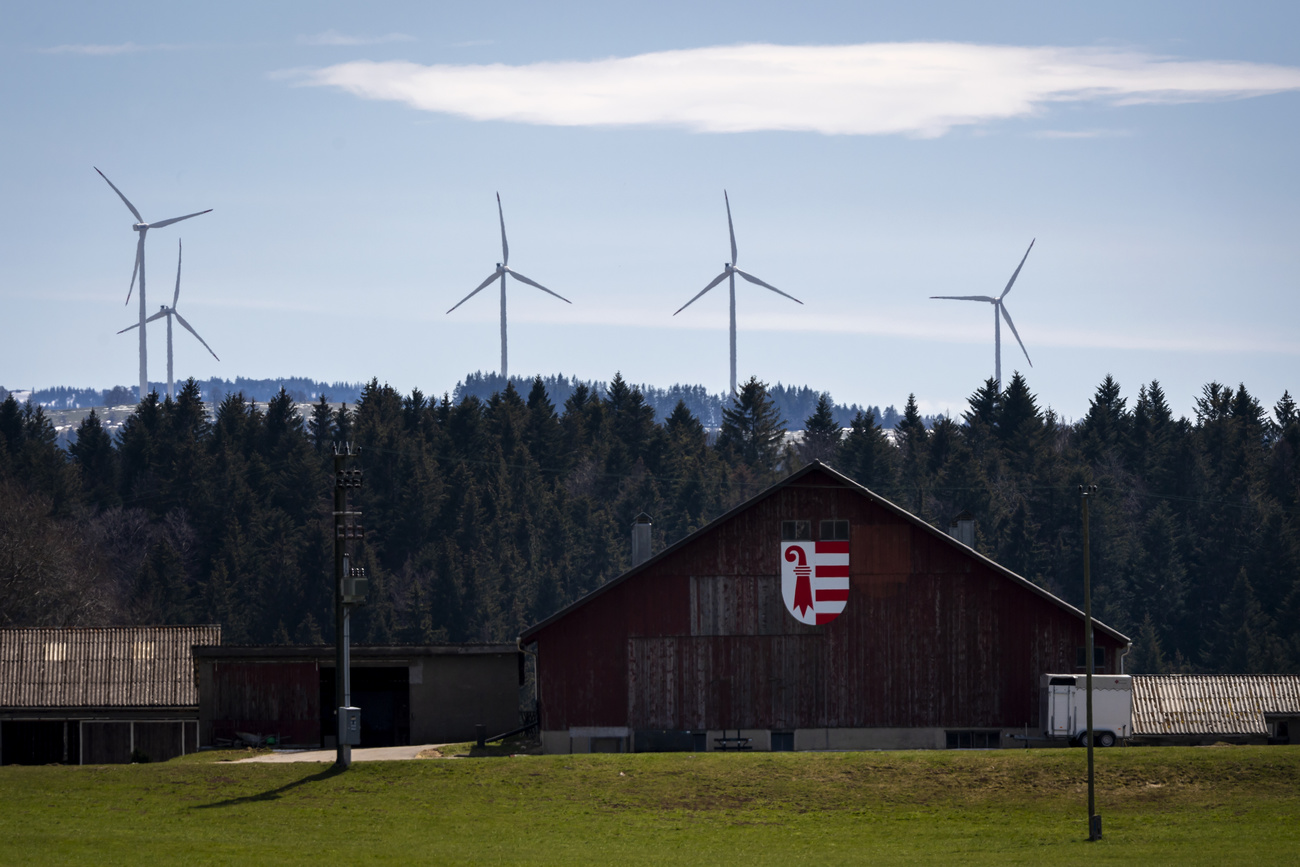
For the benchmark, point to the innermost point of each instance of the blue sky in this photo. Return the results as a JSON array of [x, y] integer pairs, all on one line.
[[875, 155]]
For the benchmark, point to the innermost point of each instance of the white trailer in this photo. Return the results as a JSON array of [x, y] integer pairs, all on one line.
[[1064, 709]]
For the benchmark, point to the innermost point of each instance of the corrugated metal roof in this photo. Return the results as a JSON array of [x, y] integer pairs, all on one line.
[[120, 666], [1199, 704]]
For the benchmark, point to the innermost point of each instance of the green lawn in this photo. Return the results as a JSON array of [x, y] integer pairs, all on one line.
[[1172, 806]]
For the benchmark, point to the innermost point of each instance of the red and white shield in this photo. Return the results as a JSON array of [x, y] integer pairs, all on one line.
[[815, 580]]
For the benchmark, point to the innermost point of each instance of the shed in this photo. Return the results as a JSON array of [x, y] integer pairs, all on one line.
[[698, 648], [99, 695], [408, 694], [1201, 708]]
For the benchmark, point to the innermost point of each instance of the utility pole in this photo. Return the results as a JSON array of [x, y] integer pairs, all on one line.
[[1094, 820], [349, 590]]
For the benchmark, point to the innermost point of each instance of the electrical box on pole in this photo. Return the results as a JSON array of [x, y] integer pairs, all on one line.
[[350, 726]]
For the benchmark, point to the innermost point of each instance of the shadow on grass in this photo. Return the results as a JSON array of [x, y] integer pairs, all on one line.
[[273, 794]]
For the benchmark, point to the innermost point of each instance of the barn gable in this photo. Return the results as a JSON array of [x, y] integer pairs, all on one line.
[[698, 638]]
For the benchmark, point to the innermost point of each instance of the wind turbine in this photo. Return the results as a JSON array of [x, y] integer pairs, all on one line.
[[169, 312], [500, 274], [142, 228], [998, 307], [729, 272]]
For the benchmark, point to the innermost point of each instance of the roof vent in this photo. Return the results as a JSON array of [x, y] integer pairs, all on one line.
[[641, 525], [962, 529]]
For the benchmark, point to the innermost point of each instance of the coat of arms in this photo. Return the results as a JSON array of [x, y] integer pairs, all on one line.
[[815, 580]]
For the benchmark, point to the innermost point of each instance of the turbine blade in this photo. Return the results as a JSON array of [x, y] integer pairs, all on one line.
[[714, 282], [1017, 274], [177, 295], [731, 229], [495, 275], [138, 218], [161, 223], [505, 248], [186, 325], [161, 313], [522, 279], [135, 269], [966, 298], [1007, 316], [752, 279], [128, 328]]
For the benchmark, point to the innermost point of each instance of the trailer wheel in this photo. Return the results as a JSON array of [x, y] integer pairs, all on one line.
[[1105, 739]]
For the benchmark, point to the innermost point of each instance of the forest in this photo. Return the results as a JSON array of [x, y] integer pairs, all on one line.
[[483, 516]]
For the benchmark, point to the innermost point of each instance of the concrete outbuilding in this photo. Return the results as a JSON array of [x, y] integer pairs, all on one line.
[[408, 694]]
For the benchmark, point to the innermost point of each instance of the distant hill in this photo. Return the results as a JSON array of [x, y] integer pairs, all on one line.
[[796, 403], [67, 405]]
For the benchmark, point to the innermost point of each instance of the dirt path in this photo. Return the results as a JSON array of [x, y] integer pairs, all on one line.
[[371, 754]]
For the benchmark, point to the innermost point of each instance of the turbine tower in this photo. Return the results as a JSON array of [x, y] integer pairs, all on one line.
[[169, 312], [141, 228], [998, 308], [729, 272], [500, 274]]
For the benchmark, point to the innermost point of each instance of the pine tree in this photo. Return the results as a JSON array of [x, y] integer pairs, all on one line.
[[867, 456], [821, 435], [752, 430], [913, 444], [96, 461], [320, 427]]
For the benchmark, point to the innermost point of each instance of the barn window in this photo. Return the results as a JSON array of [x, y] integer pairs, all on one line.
[[796, 531], [974, 740], [835, 531], [782, 742], [1098, 658]]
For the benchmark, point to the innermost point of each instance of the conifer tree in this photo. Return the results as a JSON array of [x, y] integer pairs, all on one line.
[[96, 462], [752, 430], [821, 435], [867, 456]]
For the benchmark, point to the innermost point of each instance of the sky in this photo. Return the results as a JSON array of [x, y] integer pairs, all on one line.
[[874, 155]]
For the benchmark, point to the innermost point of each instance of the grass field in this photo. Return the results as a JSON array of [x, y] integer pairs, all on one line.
[[1215, 805]]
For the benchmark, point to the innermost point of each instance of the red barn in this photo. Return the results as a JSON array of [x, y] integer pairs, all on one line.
[[732, 636]]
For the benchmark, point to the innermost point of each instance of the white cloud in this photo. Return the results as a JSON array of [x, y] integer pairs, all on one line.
[[919, 88], [333, 37]]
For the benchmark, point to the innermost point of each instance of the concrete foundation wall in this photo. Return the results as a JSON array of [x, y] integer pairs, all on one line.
[[580, 741]]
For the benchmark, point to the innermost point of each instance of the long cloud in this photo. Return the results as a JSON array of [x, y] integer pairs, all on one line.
[[913, 88]]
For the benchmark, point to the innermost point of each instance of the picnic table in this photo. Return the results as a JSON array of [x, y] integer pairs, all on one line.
[[737, 743]]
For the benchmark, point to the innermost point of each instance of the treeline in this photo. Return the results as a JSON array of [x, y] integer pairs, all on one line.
[[486, 515], [213, 390]]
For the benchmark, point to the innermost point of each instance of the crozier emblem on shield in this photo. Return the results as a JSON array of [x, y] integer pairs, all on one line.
[[815, 580]]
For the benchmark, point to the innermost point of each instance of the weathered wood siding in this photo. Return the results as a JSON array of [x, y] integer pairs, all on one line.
[[931, 636], [268, 698]]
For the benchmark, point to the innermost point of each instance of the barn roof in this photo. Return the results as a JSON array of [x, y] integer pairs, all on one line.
[[119, 666], [1201, 704], [841, 480]]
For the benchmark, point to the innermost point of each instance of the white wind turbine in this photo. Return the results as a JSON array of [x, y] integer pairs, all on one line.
[[729, 272], [998, 307], [142, 228], [500, 274], [169, 312]]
